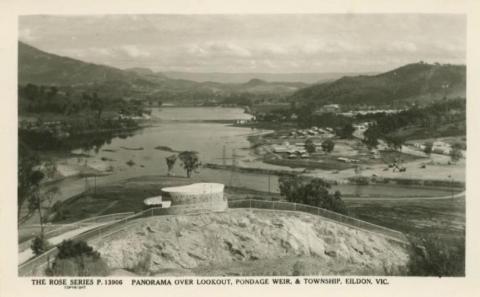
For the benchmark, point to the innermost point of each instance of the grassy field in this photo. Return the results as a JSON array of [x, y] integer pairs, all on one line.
[[417, 218], [122, 197], [326, 163]]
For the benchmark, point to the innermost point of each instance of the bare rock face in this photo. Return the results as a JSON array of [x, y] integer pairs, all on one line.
[[250, 242]]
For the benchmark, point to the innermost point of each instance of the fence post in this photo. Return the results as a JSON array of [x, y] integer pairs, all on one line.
[[295, 206], [249, 203], [273, 204]]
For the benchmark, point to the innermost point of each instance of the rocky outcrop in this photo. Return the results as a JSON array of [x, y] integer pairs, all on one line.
[[253, 242]]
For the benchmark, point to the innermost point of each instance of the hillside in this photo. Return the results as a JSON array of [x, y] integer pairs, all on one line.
[[39, 67], [42, 68], [419, 82], [258, 242]]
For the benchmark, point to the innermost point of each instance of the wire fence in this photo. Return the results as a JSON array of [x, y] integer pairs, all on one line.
[[37, 265], [331, 215], [58, 229]]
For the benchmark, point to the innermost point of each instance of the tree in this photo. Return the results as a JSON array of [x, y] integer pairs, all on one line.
[[455, 155], [170, 163], [346, 131], [31, 91], [30, 174], [459, 146], [395, 142], [190, 161], [428, 147], [37, 202], [371, 136], [314, 192], [310, 146], [97, 104], [29, 177], [328, 145]]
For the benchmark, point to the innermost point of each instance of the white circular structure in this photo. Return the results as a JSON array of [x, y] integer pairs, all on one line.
[[197, 196]]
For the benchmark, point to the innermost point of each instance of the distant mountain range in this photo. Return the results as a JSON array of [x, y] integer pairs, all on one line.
[[413, 82], [418, 82], [39, 67], [237, 78]]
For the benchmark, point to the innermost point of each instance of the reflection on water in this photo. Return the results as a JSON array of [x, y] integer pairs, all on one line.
[[215, 142]]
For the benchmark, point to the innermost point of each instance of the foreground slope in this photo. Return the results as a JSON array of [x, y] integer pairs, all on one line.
[[249, 242]]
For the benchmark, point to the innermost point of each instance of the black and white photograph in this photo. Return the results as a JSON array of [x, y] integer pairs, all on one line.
[[166, 145]]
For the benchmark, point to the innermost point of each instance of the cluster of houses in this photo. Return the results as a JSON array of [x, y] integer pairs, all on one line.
[[314, 131], [328, 108], [242, 122], [370, 111], [293, 151], [438, 147]]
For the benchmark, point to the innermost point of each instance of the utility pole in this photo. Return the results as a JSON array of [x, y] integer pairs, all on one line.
[[451, 184], [224, 156], [234, 162], [269, 183], [86, 184]]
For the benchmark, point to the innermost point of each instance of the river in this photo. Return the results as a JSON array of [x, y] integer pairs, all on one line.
[[192, 128]]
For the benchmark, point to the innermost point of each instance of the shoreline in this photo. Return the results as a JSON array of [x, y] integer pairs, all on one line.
[[403, 181]]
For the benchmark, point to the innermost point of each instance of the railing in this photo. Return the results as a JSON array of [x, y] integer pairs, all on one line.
[[334, 216], [60, 229], [37, 264]]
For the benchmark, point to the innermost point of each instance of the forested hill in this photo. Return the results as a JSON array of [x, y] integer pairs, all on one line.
[[419, 82], [39, 67]]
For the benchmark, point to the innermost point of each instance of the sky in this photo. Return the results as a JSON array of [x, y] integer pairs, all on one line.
[[288, 43]]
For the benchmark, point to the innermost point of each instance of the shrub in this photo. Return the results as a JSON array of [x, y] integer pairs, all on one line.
[[310, 146], [432, 256], [142, 267], [328, 145], [39, 245], [455, 155], [77, 258], [428, 146]]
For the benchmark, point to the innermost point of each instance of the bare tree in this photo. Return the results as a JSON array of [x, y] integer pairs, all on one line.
[[170, 163]]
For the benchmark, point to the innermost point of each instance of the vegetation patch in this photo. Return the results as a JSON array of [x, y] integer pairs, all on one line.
[[77, 258]]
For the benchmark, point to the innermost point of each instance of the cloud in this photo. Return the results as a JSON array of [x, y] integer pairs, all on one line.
[[402, 46], [27, 35], [283, 43], [218, 48], [134, 51]]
